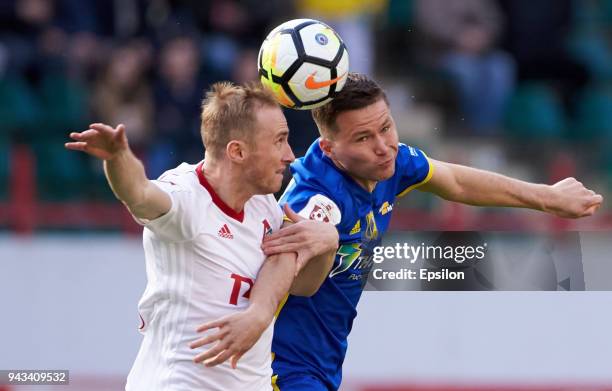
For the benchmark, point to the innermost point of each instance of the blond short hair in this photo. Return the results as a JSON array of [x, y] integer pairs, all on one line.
[[228, 113]]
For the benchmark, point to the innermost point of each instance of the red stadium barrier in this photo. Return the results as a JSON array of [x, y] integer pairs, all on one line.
[[24, 212]]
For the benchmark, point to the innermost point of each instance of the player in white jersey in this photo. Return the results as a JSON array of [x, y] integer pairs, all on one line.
[[204, 226]]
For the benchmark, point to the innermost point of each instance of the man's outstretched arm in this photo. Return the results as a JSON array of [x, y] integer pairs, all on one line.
[[124, 172], [567, 198]]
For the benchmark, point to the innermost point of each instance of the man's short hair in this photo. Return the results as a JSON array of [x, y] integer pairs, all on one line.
[[229, 113], [358, 92]]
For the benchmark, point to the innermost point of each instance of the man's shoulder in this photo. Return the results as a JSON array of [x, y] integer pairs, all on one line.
[[408, 153], [316, 173], [304, 188], [184, 176], [266, 201]]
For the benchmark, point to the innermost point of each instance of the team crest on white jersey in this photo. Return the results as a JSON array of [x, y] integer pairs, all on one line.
[[321, 208], [267, 229], [319, 214]]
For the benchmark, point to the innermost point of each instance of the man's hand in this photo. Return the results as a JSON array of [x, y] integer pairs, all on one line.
[[125, 173], [571, 199], [100, 140], [237, 334], [305, 237]]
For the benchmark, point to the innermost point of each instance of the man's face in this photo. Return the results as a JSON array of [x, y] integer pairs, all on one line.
[[270, 153], [365, 144]]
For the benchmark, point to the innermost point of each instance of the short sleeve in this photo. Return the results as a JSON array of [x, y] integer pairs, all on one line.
[[311, 204], [180, 223], [413, 169], [276, 212], [321, 208]]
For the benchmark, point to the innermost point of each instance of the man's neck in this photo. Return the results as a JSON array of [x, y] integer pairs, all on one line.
[[366, 184], [228, 186]]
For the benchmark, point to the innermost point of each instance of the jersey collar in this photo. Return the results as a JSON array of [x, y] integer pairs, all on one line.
[[225, 208]]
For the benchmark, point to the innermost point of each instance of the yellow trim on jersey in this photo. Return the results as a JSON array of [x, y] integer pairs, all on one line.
[[280, 307], [274, 385], [432, 168], [356, 228], [273, 355]]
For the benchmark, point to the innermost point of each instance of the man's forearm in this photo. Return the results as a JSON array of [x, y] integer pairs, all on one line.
[[272, 285], [485, 188], [126, 177], [308, 282]]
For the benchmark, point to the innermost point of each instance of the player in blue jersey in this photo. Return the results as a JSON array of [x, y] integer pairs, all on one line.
[[351, 177]]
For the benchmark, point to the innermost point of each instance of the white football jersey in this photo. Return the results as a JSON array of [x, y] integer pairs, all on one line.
[[202, 259]]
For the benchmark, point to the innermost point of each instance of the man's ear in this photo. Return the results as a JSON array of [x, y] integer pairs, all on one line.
[[326, 146], [236, 151]]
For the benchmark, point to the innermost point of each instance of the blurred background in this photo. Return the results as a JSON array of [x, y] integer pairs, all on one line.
[[521, 87]]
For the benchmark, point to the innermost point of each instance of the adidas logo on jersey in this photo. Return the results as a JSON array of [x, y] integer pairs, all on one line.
[[225, 232]]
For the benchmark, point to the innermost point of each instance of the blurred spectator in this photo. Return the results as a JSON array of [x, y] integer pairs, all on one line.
[[229, 26], [244, 21], [536, 34], [22, 23], [122, 94], [85, 54], [178, 93], [461, 37], [353, 21], [245, 68], [395, 38]]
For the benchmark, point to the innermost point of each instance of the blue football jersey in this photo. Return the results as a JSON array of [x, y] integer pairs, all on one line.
[[310, 334]]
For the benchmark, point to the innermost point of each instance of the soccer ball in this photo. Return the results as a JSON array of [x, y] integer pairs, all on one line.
[[304, 63]]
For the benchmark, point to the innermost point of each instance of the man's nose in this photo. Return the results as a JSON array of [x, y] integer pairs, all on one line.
[[380, 146]]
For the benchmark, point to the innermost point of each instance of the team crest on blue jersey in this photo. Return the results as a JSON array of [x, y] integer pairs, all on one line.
[[371, 231]]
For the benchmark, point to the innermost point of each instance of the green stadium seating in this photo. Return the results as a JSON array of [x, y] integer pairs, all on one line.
[[535, 111], [400, 13], [590, 47], [60, 173], [19, 108], [64, 103], [594, 114]]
